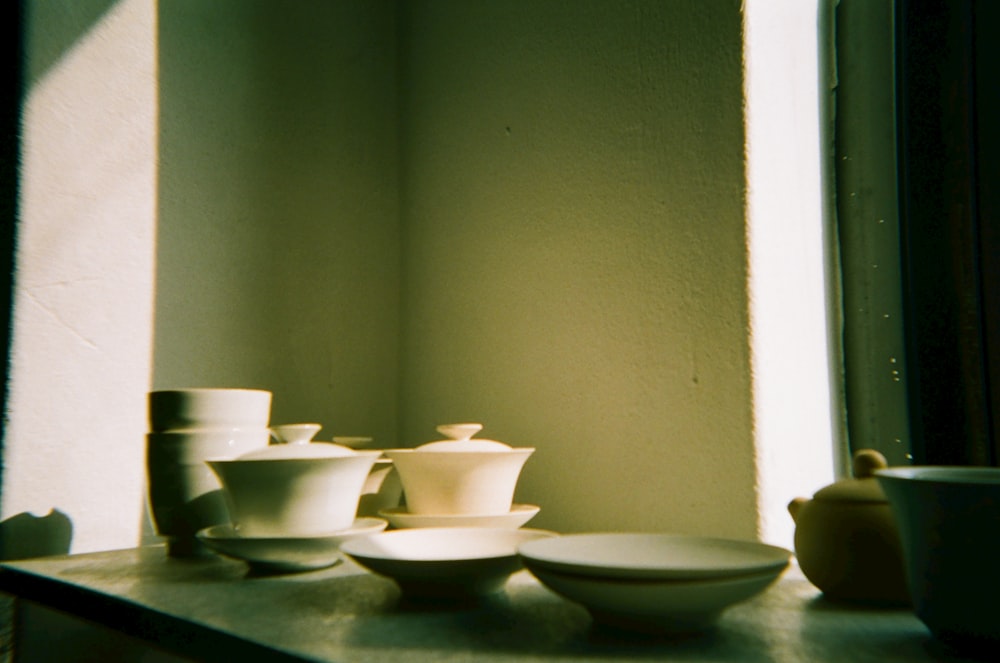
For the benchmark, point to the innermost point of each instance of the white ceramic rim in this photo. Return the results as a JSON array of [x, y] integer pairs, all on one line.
[[227, 533], [952, 474], [201, 390], [400, 516], [638, 555]]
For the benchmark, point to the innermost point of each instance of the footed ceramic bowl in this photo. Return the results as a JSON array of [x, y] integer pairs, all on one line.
[[655, 606], [659, 583], [294, 490], [459, 476], [173, 409], [444, 562]]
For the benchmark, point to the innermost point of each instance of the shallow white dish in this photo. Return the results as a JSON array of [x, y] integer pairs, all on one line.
[[653, 556], [655, 606], [444, 561], [300, 553], [400, 518]]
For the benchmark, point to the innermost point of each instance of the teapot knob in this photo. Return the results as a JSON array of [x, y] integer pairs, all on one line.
[[866, 461]]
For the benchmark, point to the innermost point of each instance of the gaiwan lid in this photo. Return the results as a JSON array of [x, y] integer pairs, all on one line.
[[864, 486], [460, 439]]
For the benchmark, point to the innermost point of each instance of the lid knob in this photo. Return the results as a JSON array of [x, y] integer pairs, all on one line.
[[866, 461], [459, 432]]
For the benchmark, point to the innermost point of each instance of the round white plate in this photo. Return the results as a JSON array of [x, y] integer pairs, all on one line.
[[444, 561], [400, 518], [286, 554], [653, 556], [667, 606]]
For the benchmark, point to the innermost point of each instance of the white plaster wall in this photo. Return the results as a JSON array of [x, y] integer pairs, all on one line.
[[82, 331], [575, 264]]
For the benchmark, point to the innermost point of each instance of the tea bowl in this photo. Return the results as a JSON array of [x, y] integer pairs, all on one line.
[[294, 490], [172, 409], [949, 524], [459, 476]]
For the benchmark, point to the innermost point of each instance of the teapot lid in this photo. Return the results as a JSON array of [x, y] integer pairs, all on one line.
[[863, 487], [460, 439]]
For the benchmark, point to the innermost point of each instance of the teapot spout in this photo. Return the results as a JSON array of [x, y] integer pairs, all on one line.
[[795, 507]]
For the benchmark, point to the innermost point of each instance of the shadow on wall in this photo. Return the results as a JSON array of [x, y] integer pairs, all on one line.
[[27, 535]]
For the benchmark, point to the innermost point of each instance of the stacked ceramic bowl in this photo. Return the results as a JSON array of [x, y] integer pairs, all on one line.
[[660, 583], [187, 427]]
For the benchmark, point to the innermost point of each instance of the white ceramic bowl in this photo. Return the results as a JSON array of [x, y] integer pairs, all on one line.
[[382, 489], [655, 606], [302, 553], [444, 562], [195, 446], [171, 409], [294, 490], [184, 494]]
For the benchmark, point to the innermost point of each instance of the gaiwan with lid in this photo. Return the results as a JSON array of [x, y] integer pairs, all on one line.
[[460, 475], [289, 490], [846, 539]]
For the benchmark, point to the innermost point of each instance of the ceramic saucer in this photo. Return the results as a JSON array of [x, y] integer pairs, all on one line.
[[303, 553], [400, 518]]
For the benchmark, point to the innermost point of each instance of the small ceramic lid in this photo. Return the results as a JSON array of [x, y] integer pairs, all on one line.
[[864, 486], [461, 440], [294, 451]]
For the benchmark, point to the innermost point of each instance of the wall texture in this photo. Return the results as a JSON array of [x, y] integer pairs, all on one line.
[[81, 355], [277, 245], [575, 268]]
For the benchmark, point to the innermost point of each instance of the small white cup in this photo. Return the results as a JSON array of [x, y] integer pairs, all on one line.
[[199, 408]]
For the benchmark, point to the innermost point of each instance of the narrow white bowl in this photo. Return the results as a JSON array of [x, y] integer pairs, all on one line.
[[444, 562]]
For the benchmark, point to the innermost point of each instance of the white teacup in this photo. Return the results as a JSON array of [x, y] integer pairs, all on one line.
[[949, 524], [180, 409], [294, 490]]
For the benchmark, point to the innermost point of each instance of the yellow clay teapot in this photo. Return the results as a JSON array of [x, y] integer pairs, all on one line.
[[846, 539]]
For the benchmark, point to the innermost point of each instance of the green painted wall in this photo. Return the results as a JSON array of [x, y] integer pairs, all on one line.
[[574, 255]]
